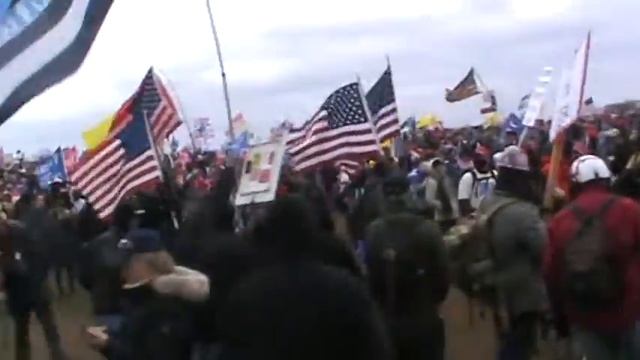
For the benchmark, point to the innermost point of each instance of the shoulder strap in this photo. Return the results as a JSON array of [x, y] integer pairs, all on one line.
[[583, 215], [493, 210]]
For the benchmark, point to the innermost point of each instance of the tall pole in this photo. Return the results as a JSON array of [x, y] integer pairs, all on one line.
[[223, 74]]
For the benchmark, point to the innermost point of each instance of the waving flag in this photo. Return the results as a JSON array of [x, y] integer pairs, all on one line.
[[382, 104], [41, 43], [339, 130], [468, 87], [124, 165], [570, 93], [51, 169]]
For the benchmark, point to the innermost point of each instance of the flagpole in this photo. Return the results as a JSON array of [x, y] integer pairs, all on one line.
[[223, 74], [156, 155], [367, 113]]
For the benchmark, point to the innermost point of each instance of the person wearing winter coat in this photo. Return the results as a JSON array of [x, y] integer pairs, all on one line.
[[603, 229], [24, 271], [158, 319], [518, 236], [440, 195], [408, 273]]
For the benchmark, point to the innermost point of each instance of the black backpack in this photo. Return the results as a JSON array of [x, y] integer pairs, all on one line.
[[593, 280]]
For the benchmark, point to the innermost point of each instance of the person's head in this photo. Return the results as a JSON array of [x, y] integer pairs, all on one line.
[[511, 138], [147, 257], [123, 217], [514, 174], [40, 201], [287, 226], [307, 311], [589, 171], [481, 163]]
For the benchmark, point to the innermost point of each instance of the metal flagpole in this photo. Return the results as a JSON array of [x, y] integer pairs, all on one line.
[[367, 113], [222, 72], [156, 155]]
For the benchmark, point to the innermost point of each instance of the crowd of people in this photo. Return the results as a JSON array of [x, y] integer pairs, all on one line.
[[347, 264]]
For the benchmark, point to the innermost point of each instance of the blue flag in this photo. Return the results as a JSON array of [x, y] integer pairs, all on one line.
[[52, 169], [513, 123]]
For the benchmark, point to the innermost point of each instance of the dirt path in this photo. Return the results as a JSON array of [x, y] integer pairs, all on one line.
[[464, 341]]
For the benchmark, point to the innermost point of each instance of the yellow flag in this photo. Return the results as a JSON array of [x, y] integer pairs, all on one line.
[[97, 134], [428, 121], [492, 120]]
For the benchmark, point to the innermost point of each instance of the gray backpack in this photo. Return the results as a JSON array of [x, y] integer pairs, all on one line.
[[593, 281]]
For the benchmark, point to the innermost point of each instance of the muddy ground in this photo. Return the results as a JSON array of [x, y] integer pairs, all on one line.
[[465, 341]]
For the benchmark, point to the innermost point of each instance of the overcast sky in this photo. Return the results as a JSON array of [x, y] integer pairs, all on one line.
[[283, 57]]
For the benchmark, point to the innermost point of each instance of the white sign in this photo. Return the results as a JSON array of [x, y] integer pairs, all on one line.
[[260, 173], [570, 92]]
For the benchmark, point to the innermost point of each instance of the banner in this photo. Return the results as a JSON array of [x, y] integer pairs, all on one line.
[[51, 169], [536, 100], [570, 91], [260, 173]]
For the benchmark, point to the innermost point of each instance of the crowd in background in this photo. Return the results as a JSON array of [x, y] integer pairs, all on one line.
[[346, 263]]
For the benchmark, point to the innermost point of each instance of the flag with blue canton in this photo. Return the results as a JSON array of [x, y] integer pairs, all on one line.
[[126, 164], [153, 100], [381, 100], [345, 107], [52, 169], [340, 130]]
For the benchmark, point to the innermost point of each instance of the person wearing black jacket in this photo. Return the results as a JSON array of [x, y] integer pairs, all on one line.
[[24, 269], [100, 264], [158, 320]]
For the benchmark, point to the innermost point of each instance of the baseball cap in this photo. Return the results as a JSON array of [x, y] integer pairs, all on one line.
[[141, 241]]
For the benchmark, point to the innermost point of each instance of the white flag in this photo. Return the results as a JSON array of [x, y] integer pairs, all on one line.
[[536, 100], [570, 91]]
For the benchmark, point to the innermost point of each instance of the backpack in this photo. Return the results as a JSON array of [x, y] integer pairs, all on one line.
[[472, 256], [480, 188], [593, 280]]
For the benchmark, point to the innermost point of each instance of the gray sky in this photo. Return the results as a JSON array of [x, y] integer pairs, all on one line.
[[283, 57]]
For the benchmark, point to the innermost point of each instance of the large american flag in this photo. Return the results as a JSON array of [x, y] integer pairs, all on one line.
[[160, 108], [339, 130], [384, 111], [126, 161]]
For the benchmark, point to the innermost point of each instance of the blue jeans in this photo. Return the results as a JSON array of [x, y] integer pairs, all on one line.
[[599, 345]]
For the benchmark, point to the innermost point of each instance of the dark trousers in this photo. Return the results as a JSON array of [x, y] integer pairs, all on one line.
[[60, 272], [43, 312], [520, 340]]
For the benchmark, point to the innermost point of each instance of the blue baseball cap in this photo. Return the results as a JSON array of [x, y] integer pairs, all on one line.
[[141, 241]]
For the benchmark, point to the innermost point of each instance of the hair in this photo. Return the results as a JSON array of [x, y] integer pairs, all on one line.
[[160, 262], [517, 183], [301, 311]]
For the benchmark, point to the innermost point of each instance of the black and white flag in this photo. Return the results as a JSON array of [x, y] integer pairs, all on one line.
[[41, 43]]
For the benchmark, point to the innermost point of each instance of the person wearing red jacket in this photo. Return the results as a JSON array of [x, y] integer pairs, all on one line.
[[602, 327]]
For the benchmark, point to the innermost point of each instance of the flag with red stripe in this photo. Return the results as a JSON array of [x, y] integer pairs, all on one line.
[[381, 100], [124, 164], [339, 130]]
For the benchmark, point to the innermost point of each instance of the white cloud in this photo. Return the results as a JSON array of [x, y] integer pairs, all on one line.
[[284, 56]]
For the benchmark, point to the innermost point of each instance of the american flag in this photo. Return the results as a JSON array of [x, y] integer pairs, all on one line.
[[158, 104], [126, 162], [350, 166], [339, 130], [384, 111]]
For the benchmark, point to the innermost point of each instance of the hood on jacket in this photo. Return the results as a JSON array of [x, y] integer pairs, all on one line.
[[185, 283]]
